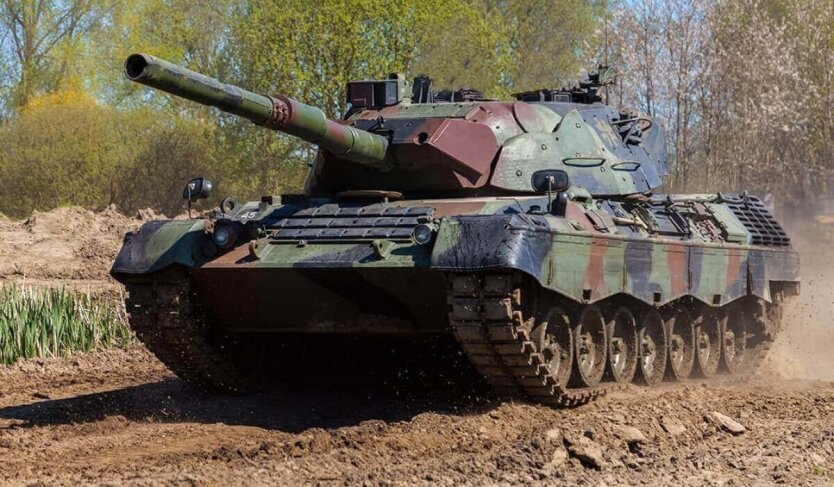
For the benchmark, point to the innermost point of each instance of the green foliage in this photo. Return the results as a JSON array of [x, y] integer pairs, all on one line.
[[181, 31], [66, 149], [169, 153], [467, 45], [40, 322], [549, 43], [310, 52], [42, 44], [63, 150]]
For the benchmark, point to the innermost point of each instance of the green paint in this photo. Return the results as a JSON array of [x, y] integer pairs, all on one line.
[[579, 148], [733, 230], [433, 110], [569, 261], [290, 255], [304, 121], [174, 242], [194, 86]]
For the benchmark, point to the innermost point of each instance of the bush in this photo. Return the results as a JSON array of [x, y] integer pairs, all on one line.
[[168, 154], [62, 149], [66, 149]]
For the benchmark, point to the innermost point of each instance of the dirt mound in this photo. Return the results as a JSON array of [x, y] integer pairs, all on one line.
[[62, 245]]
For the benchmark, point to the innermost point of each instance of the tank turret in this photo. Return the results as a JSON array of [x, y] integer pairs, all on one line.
[[277, 112], [447, 142]]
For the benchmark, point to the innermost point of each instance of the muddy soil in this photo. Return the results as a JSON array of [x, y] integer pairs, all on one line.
[[121, 417]]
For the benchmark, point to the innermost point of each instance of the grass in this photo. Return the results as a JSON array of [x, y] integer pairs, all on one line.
[[46, 322]]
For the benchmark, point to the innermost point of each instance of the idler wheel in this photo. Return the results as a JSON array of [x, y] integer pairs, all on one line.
[[554, 340], [734, 340], [590, 347], [622, 345], [681, 332], [707, 344], [652, 349]]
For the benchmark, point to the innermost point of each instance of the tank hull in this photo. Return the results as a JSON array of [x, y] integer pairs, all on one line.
[[350, 286], [348, 289]]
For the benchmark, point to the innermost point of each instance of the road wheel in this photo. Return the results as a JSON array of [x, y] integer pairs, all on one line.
[[554, 340], [590, 347], [681, 332], [651, 336], [734, 340], [622, 345]]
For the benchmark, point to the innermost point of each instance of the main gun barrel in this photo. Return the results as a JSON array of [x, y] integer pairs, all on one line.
[[275, 112]]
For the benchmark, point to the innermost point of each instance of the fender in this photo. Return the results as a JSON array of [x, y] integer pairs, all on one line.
[[492, 241], [159, 244], [589, 268]]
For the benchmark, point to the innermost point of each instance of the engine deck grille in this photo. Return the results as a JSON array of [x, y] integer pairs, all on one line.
[[757, 219], [332, 222]]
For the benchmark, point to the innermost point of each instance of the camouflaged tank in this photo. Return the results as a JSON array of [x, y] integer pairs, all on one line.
[[529, 230]]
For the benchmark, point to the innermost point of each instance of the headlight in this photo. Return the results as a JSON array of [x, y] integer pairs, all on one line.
[[422, 234], [223, 236]]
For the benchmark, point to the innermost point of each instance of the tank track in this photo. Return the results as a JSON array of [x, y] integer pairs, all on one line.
[[169, 322], [758, 353], [485, 315], [486, 319]]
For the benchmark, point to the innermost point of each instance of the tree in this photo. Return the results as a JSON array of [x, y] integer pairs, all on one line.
[[185, 32], [31, 32], [310, 52], [549, 42], [466, 45], [663, 55]]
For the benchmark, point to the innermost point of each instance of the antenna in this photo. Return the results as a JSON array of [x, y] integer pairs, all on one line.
[[549, 194], [607, 63]]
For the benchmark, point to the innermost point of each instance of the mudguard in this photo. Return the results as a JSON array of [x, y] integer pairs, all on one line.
[[159, 244], [513, 241], [590, 268]]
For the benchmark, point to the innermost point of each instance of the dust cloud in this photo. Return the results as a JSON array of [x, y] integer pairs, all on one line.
[[805, 348]]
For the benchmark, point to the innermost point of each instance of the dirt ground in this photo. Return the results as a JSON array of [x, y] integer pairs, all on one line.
[[120, 417], [67, 246]]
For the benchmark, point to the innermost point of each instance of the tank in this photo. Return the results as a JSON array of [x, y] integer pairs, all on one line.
[[531, 233]]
